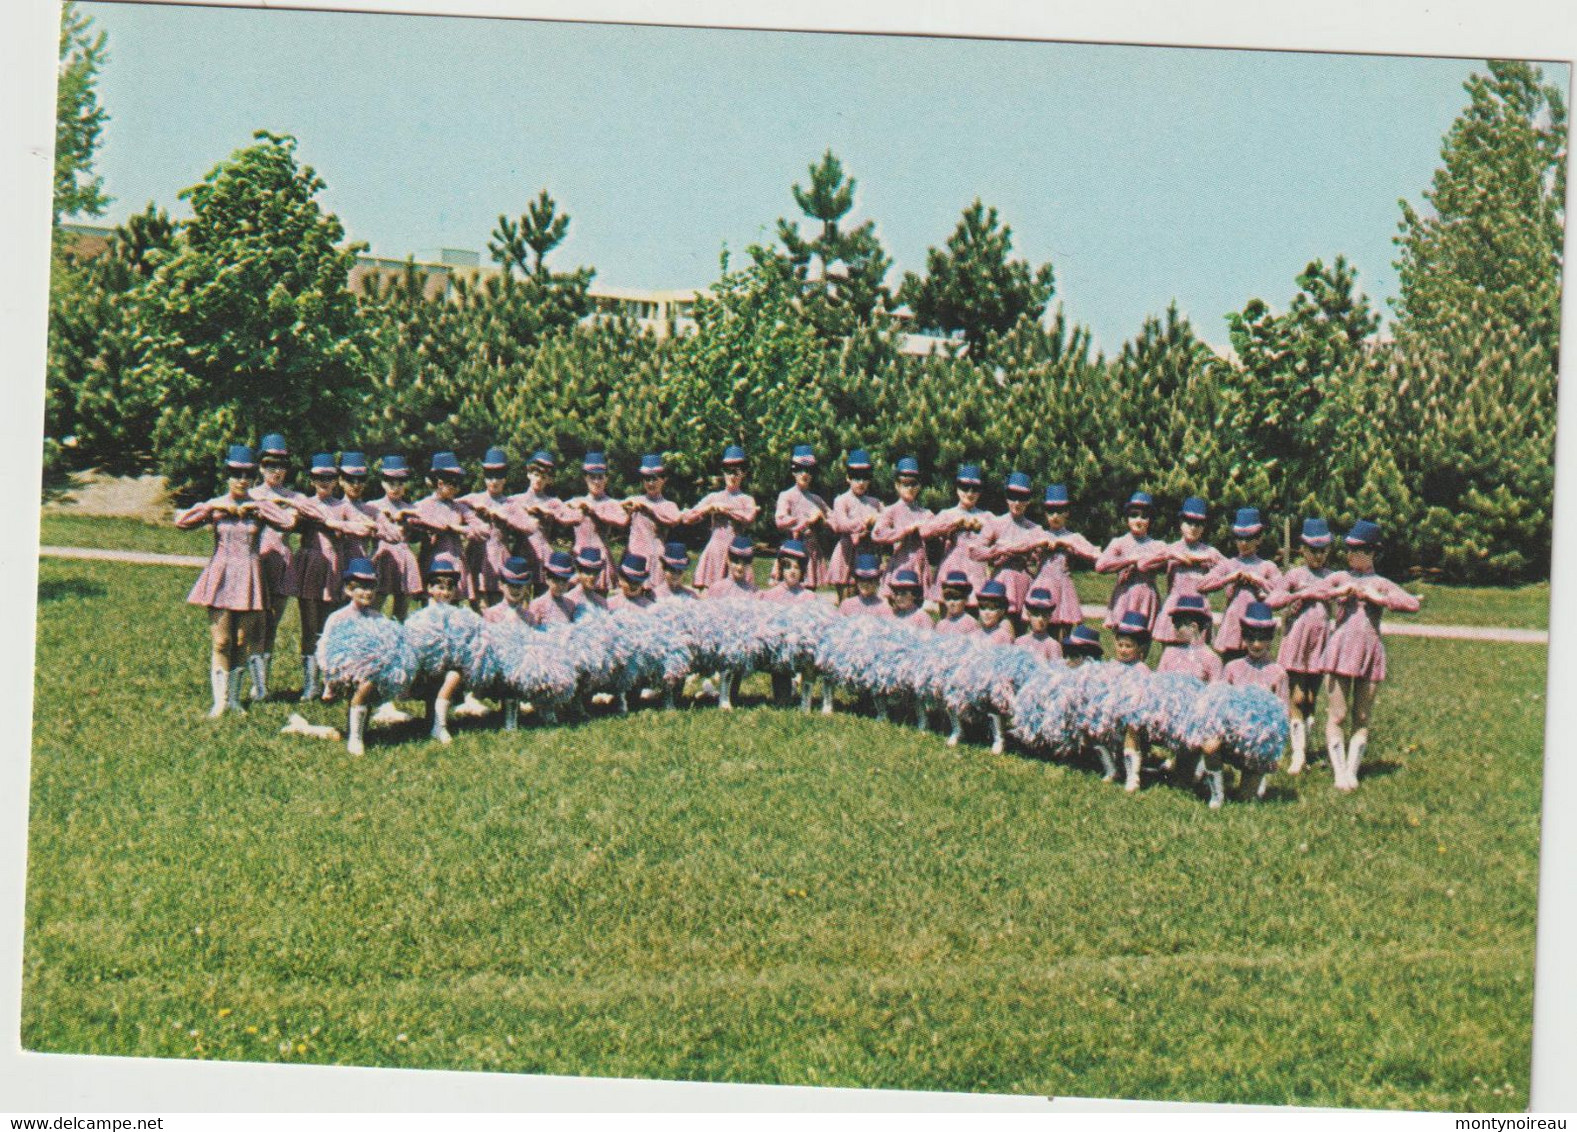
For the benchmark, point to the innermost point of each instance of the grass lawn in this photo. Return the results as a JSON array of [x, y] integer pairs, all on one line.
[[767, 897]]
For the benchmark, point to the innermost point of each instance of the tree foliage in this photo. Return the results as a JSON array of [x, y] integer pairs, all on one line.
[[79, 119]]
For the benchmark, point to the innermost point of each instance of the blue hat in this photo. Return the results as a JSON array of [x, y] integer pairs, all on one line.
[[1133, 624], [652, 465], [1018, 485], [542, 458], [867, 567], [443, 564], [1316, 533], [495, 460], [859, 460], [793, 548], [560, 564], [993, 591], [904, 580], [594, 464], [742, 548], [1363, 534], [352, 464], [1191, 605], [240, 458], [957, 580], [360, 570], [733, 455], [273, 445], [1194, 509], [1081, 638], [968, 475], [675, 555], [1140, 500], [1039, 600], [588, 558], [1057, 495], [516, 571], [1259, 616], [804, 457], [322, 464], [394, 468], [445, 464], [907, 466], [1246, 523], [633, 567]]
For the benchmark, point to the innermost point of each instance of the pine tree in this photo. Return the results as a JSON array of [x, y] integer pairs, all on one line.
[[79, 119]]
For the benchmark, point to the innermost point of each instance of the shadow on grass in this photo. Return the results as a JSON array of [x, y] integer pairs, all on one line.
[[60, 589]]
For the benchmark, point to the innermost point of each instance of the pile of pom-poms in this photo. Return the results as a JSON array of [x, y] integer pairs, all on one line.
[[367, 647], [449, 638]]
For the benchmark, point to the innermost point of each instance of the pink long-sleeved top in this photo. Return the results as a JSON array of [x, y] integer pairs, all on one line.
[[726, 587], [858, 606], [1243, 672], [274, 550], [729, 513], [917, 619], [1197, 660], [1225, 573], [502, 612], [783, 594], [449, 528], [1186, 566], [358, 531], [901, 526], [803, 515], [546, 610], [399, 572], [1136, 563], [597, 518], [546, 511], [233, 578], [507, 525], [1002, 635], [959, 547], [642, 600], [650, 518], [852, 520], [1009, 545], [1304, 592], [1046, 647], [1354, 647], [1056, 574], [963, 625]]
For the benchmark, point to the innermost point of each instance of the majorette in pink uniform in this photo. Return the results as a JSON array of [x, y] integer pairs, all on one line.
[[852, 520], [597, 517], [1039, 601], [448, 526], [233, 578], [995, 595], [1198, 660], [1010, 542], [1251, 579], [865, 568], [315, 567], [676, 558], [964, 625], [357, 519], [1302, 591], [792, 550], [1354, 647], [1135, 561], [729, 511], [546, 510], [506, 523], [1187, 564], [275, 547], [1244, 672], [651, 516], [546, 610], [962, 531], [1060, 548], [633, 568], [1045, 647], [900, 527], [802, 514], [395, 559]]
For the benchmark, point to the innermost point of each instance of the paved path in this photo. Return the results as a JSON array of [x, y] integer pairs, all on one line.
[[1389, 628]]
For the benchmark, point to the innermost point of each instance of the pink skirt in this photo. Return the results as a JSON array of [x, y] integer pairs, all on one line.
[[1017, 584], [313, 576], [1139, 596], [1068, 610], [230, 583], [712, 566], [840, 567], [398, 572], [1355, 649], [1303, 647], [276, 571]]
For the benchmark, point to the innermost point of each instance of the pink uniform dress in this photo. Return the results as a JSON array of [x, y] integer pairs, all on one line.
[[1182, 580], [1269, 675], [916, 619], [545, 511], [795, 511], [437, 518], [398, 570], [726, 587], [649, 524], [900, 527], [1056, 574], [275, 548], [1303, 643], [961, 626], [959, 548], [1045, 647], [507, 525], [588, 600], [1230, 635], [852, 520], [729, 512], [545, 610], [1001, 635], [1010, 545], [314, 568], [1354, 647], [1136, 563], [596, 520], [1199, 661], [644, 600], [358, 538], [233, 578], [783, 595], [858, 606], [502, 611]]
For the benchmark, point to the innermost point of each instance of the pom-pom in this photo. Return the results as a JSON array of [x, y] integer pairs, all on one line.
[[791, 633], [375, 648], [1042, 712], [726, 633], [541, 675], [448, 638], [1250, 722], [504, 643], [1171, 704]]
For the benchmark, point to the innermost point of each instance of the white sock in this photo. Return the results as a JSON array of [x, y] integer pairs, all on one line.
[[511, 714], [259, 668], [219, 684], [268, 662], [441, 720], [357, 729], [309, 678], [957, 732], [1338, 758], [806, 693], [1355, 751], [1300, 744], [1131, 759], [725, 695], [1108, 764], [1218, 789], [624, 703], [998, 740], [1264, 783], [668, 697], [826, 697], [234, 682]]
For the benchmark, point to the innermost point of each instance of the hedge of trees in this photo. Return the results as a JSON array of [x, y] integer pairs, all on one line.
[[240, 321]]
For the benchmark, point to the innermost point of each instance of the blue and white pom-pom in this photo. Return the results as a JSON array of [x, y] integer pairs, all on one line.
[[725, 634], [447, 638], [1010, 669], [637, 651], [1171, 704], [585, 645], [541, 675], [791, 634], [354, 649], [848, 653], [1042, 712], [674, 648], [955, 674], [504, 643], [1101, 702], [1250, 722]]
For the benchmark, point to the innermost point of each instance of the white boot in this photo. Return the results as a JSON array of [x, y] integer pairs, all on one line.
[[309, 679], [881, 709], [1338, 758], [624, 703], [998, 740], [259, 669], [1355, 751], [268, 665], [234, 683], [441, 720], [669, 700], [1131, 783], [1264, 783], [806, 693], [957, 731], [219, 684], [388, 713], [922, 718], [1108, 764], [511, 715], [358, 728], [725, 694], [826, 697], [549, 716], [1218, 788], [471, 706], [1300, 745]]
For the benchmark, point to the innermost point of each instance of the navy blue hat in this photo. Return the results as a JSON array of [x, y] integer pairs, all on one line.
[[867, 567], [633, 567], [443, 565], [360, 570], [1363, 534], [1259, 616], [273, 445], [957, 580], [1057, 495], [560, 564], [352, 464], [1133, 624], [804, 457], [1140, 500], [675, 555], [495, 460], [652, 465], [394, 468], [1039, 600], [1194, 509], [588, 558], [1191, 605], [445, 464], [733, 455], [859, 460], [239, 458], [542, 458], [516, 571], [1018, 485], [742, 548], [594, 464], [907, 466], [1081, 638], [1246, 523], [793, 548], [1316, 533], [904, 580], [322, 464], [993, 591], [968, 475]]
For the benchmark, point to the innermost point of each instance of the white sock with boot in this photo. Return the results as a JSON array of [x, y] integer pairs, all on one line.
[[219, 684], [511, 714], [957, 732], [725, 693], [826, 697], [234, 682], [1108, 764], [1132, 759], [1338, 756], [309, 679], [259, 670], [1300, 744], [998, 739], [1218, 788], [807, 692], [1355, 751], [441, 720], [358, 728]]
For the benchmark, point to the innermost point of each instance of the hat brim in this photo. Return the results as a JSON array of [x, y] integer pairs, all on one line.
[[1249, 532], [1318, 542]]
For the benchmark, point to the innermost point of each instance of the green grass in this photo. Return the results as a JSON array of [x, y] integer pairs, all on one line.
[[122, 534], [766, 897]]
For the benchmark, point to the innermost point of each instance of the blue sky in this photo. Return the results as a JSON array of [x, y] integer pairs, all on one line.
[[1145, 175]]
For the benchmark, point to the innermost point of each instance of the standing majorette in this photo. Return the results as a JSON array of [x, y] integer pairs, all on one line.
[[866, 600], [316, 565], [901, 526], [399, 570], [994, 623], [1256, 669], [957, 594], [1081, 644], [651, 517], [1039, 605], [598, 516], [675, 561], [729, 512], [962, 530], [557, 606], [1058, 553], [545, 508], [1188, 561], [1010, 543], [740, 580], [802, 514], [1191, 654], [1303, 592], [448, 525], [1249, 577], [591, 567], [1135, 558], [1354, 654], [506, 523], [634, 584], [853, 518], [903, 594], [358, 523], [1131, 646], [231, 586], [273, 455]]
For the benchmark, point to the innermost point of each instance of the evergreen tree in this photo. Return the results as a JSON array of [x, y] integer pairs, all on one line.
[[523, 245], [79, 119]]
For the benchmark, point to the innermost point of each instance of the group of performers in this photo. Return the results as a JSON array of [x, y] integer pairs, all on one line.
[[546, 560]]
